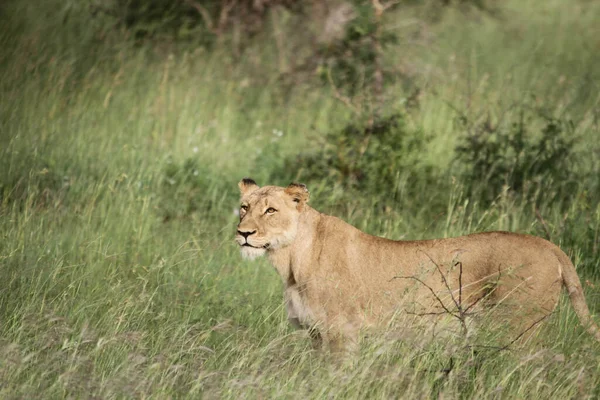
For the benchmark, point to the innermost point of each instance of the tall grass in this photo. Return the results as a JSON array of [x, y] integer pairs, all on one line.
[[118, 171]]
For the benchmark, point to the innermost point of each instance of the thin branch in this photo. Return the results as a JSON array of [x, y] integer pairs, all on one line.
[[473, 304], [489, 293], [507, 346], [460, 282], [203, 13], [391, 4], [444, 280], [425, 313], [461, 312], [381, 8], [430, 289], [224, 15], [530, 327]]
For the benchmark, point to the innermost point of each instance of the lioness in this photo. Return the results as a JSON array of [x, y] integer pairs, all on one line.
[[338, 279]]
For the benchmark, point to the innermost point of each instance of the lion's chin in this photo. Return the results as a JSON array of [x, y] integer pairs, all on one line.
[[250, 253]]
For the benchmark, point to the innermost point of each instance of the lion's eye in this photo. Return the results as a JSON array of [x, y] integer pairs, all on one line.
[[244, 207], [270, 210]]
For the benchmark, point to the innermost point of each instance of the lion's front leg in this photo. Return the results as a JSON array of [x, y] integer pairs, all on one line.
[[340, 338], [328, 329]]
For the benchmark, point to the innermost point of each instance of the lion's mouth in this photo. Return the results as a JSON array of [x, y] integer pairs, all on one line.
[[266, 246]]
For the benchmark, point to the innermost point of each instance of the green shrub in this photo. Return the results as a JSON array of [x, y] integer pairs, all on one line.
[[197, 21], [380, 158], [353, 62], [529, 155]]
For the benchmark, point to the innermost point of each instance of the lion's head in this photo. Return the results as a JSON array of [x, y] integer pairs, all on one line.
[[268, 216]]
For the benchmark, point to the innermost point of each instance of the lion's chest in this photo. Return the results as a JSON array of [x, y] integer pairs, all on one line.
[[298, 310]]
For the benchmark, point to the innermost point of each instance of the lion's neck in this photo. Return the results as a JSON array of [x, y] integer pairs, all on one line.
[[290, 261]]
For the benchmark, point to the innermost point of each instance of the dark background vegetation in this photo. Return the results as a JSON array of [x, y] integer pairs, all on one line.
[[125, 126]]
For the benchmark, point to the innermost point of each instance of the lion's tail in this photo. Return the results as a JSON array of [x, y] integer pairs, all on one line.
[[573, 285]]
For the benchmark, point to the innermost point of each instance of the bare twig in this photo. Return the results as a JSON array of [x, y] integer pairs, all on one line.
[[203, 13], [473, 304], [461, 312], [424, 314], [430, 289], [224, 15], [460, 283], [444, 280], [208, 20], [530, 327], [381, 8], [509, 344]]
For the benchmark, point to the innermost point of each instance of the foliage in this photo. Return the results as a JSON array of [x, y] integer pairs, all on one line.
[[353, 61], [517, 156], [382, 155], [152, 18], [198, 21]]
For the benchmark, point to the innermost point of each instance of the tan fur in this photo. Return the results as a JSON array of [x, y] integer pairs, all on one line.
[[338, 279]]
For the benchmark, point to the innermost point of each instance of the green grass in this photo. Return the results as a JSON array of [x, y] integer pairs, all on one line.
[[118, 172]]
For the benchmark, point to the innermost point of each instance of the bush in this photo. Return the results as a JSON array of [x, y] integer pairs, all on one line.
[[380, 158], [200, 21], [353, 61], [527, 159]]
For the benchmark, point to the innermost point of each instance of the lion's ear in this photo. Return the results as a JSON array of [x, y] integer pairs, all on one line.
[[247, 186], [299, 193]]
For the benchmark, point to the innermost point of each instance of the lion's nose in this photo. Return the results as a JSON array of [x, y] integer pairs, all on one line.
[[245, 234]]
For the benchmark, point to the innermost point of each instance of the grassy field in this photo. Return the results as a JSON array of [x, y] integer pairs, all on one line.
[[118, 172]]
